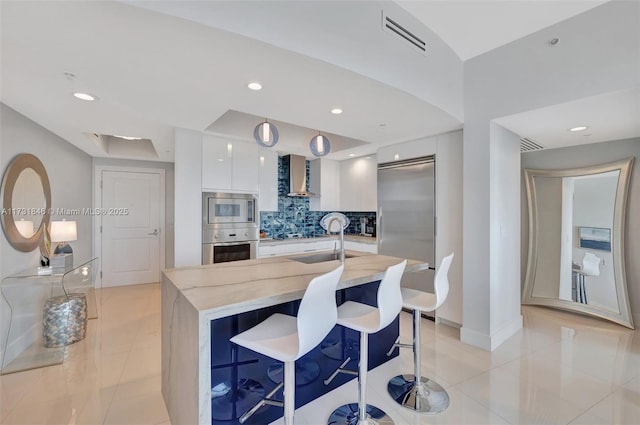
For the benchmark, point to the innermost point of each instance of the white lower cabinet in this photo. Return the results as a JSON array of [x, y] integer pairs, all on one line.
[[281, 249], [271, 250], [265, 251], [362, 247], [301, 248]]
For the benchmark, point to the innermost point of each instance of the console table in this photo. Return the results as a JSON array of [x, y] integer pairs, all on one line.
[[26, 294]]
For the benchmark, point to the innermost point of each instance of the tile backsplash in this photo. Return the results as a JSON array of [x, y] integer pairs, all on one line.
[[293, 215]]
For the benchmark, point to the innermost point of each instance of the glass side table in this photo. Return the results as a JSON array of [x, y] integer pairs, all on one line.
[[26, 294]]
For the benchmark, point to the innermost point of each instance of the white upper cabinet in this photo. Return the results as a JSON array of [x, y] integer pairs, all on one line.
[[217, 157], [324, 180], [245, 170], [268, 196], [358, 184], [230, 165]]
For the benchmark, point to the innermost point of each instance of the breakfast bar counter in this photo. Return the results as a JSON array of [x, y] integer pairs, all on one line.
[[202, 306]]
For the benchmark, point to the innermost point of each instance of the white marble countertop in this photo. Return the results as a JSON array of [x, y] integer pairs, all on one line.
[[225, 289], [348, 237]]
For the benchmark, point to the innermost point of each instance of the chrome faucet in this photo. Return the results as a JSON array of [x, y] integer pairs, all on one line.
[[341, 236]]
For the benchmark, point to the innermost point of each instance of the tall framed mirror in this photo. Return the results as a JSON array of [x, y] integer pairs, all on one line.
[[576, 240], [26, 202]]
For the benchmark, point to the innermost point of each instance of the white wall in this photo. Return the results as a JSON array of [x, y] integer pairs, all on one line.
[[448, 151], [598, 53], [188, 198], [505, 235], [594, 154], [69, 171]]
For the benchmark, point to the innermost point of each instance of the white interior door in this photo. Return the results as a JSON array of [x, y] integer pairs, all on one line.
[[131, 211]]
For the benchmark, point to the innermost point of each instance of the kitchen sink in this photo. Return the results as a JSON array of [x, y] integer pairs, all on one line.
[[321, 257]]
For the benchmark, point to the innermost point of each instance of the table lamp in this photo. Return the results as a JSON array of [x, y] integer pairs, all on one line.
[[63, 232]]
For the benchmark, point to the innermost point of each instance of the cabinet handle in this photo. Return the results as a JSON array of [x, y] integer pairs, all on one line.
[[155, 233]]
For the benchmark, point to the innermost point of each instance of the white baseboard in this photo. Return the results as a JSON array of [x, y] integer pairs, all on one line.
[[449, 323], [493, 341]]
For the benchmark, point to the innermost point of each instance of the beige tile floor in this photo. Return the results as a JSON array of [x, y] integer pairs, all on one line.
[[561, 368]]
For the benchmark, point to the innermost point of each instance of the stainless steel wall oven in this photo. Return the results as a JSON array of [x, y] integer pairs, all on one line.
[[230, 231]]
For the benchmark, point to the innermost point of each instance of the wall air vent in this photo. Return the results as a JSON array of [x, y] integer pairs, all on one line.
[[392, 26], [528, 145]]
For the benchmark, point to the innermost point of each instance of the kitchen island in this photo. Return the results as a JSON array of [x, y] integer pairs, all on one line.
[[203, 306]]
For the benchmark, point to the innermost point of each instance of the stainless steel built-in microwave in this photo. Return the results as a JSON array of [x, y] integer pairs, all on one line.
[[228, 208]]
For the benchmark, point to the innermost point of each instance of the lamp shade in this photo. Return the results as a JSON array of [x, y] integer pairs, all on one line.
[[319, 145], [63, 231], [266, 134]]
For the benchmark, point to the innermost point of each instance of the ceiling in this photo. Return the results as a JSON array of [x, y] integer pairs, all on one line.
[[290, 135], [474, 27], [611, 116], [153, 72]]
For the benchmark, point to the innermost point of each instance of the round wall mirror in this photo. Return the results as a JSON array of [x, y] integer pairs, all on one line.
[[26, 201]]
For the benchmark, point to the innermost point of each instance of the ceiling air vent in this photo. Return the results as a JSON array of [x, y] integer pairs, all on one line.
[[393, 27], [528, 145]]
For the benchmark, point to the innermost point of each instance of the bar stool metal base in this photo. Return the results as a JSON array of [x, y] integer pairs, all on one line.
[[228, 403], [426, 397], [348, 415], [340, 349], [307, 371]]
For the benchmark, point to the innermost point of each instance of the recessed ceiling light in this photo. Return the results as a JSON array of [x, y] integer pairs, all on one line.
[[336, 111], [255, 86], [352, 154], [553, 41], [85, 96], [579, 128], [127, 137]]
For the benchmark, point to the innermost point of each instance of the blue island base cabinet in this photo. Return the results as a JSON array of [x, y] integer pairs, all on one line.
[[241, 377]]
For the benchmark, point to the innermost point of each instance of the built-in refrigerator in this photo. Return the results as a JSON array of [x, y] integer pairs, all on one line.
[[406, 215]]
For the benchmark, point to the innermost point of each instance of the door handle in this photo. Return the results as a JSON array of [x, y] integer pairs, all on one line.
[[155, 233]]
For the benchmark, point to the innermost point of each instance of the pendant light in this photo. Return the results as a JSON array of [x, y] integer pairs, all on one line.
[[266, 134], [319, 145]]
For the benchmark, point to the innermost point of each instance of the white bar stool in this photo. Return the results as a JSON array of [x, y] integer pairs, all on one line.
[[590, 267], [413, 391], [287, 338], [367, 320]]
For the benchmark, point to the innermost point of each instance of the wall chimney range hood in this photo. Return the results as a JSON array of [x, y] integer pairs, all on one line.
[[298, 177]]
